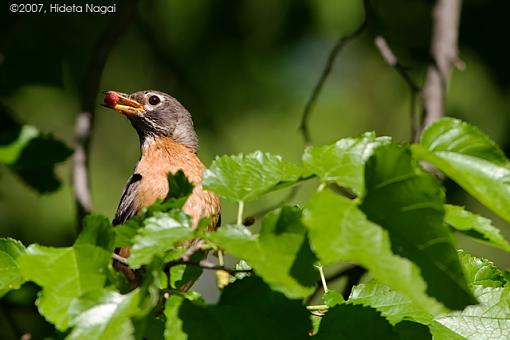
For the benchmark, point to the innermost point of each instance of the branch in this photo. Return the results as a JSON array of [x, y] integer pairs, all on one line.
[[414, 89], [340, 44], [446, 16], [85, 118]]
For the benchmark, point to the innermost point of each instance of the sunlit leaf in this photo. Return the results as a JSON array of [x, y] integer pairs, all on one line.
[[10, 275], [339, 231], [161, 233], [393, 305], [103, 315], [488, 320], [245, 177], [280, 254], [481, 271], [67, 273], [344, 161], [408, 202], [471, 159], [474, 225]]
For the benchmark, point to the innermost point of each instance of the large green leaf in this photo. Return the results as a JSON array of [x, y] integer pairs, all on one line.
[[280, 255], [67, 273], [103, 315], [247, 309], [245, 177], [408, 203], [344, 161], [10, 275], [471, 159], [474, 225], [162, 232], [339, 231], [347, 321], [481, 271], [488, 320], [393, 305]]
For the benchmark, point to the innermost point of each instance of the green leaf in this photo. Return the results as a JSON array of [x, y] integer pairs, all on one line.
[[412, 330], [67, 273], [471, 159], [247, 309], [31, 155], [393, 305], [339, 231], [103, 315], [180, 186], [173, 326], [161, 233], [408, 203], [10, 275], [344, 161], [280, 255], [348, 321], [488, 320], [332, 298], [476, 226], [245, 177], [481, 271]]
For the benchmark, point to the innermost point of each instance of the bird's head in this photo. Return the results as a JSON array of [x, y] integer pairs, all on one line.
[[154, 115]]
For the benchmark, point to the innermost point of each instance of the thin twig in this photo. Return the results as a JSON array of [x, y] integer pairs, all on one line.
[[445, 30], [204, 264], [337, 48], [121, 259], [85, 118], [414, 88]]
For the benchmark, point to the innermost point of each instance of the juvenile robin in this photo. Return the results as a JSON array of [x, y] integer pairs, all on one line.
[[168, 143]]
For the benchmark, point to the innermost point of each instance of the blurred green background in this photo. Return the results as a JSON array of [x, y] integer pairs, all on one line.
[[244, 69]]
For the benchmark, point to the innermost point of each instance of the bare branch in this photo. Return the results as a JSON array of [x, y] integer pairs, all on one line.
[[414, 89], [340, 44], [85, 118], [446, 17]]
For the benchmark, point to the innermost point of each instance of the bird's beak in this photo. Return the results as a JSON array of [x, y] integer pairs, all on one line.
[[120, 102]]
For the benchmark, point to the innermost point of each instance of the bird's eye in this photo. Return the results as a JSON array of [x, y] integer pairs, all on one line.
[[154, 100]]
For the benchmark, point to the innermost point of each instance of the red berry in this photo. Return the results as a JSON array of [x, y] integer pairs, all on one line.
[[111, 99]]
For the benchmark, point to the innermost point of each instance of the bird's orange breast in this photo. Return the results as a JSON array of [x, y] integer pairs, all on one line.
[[163, 156]]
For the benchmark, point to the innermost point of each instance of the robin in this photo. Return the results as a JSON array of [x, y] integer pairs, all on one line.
[[168, 143]]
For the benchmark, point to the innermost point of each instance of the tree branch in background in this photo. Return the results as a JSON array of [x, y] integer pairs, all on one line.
[[446, 17], [414, 89], [85, 118], [340, 44]]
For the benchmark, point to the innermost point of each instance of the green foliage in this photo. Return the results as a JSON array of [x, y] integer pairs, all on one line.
[[344, 161], [399, 229], [408, 202], [248, 309], [471, 159], [67, 273], [340, 232], [103, 315], [476, 226], [245, 177], [160, 233], [10, 276], [32, 155], [280, 254]]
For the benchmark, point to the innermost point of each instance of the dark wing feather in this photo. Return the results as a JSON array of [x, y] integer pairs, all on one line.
[[127, 207]]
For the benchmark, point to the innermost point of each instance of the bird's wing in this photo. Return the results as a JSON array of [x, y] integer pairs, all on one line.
[[127, 207]]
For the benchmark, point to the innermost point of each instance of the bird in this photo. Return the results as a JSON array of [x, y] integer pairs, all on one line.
[[168, 143]]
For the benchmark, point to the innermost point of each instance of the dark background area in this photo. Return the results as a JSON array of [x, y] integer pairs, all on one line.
[[244, 69]]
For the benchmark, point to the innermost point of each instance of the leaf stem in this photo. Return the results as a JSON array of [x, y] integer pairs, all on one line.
[[221, 262], [323, 278], [321, 186], [240, 211], [317, 307]]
